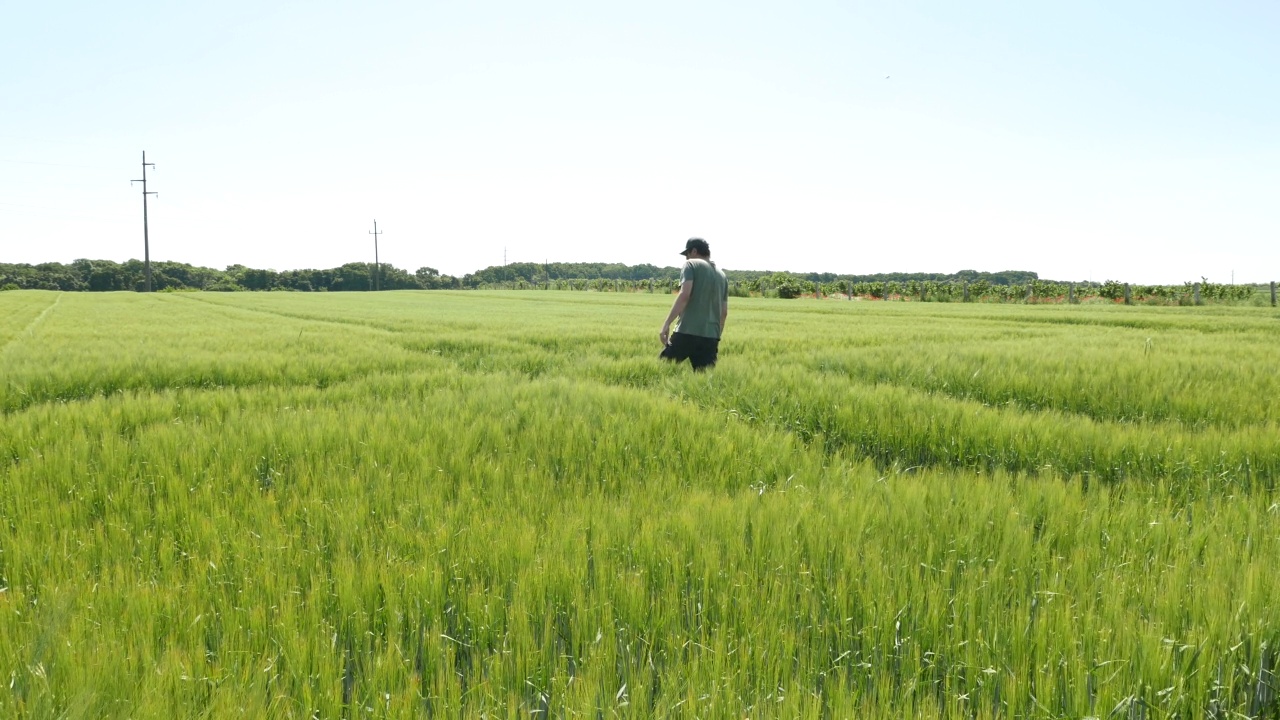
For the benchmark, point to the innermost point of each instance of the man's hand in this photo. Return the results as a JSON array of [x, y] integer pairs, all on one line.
[[665, 335]]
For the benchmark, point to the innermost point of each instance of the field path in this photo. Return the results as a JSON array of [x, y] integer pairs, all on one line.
[[31, 326], [293, 316]]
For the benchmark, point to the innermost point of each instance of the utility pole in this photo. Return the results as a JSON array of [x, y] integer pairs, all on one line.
[[377, 277], [146, 241]]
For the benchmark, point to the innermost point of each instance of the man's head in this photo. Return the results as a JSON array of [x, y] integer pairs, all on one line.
[[697, 248]]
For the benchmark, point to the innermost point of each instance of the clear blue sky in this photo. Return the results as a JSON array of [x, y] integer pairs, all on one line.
[[1135, 141]]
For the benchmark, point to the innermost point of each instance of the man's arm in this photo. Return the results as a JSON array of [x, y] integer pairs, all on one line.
[[682, 300], [724, 302]]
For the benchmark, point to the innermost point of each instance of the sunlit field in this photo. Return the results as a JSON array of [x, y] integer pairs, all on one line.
[[500, 504]]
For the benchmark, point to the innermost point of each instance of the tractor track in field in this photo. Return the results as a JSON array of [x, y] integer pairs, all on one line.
[[290, 316], [392, 337], [1118, 323], [1031, 405], [397, 336], [31, 326]]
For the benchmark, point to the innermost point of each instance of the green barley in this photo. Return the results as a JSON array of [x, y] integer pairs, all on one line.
[[500, 504]]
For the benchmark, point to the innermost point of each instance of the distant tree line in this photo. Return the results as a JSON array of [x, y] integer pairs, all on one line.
[[966, 285], [963, 286], [106, 275], [540, 273]]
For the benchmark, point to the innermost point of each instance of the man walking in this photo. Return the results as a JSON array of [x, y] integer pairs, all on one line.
[[701, 309]]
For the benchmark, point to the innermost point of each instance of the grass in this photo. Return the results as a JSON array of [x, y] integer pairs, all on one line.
[[500, 504]]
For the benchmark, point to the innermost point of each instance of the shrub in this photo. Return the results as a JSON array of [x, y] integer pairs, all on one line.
[[789, 289]]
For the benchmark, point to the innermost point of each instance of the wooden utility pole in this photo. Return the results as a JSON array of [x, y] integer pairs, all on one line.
[[146, 240], [377, 266]]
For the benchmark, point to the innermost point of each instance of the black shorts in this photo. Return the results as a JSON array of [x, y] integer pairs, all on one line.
[[701, 351]]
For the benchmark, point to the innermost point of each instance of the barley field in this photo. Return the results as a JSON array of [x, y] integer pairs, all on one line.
[[500, 504]]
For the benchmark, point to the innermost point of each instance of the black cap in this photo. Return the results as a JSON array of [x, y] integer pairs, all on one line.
[[697, 244]]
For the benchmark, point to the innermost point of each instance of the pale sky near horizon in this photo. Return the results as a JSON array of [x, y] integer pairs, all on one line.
[[1087, 140]]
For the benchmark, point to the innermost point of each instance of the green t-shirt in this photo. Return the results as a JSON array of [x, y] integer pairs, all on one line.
[[710, 295]]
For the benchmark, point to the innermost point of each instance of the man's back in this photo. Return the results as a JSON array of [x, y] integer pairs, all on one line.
[[710, 294]]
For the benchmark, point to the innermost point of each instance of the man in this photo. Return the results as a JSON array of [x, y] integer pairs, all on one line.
[[701, 308]]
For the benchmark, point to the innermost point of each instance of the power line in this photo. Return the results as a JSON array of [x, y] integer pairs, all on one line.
[[60, 213], [49, 164], [146, 241], [51, 142]]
